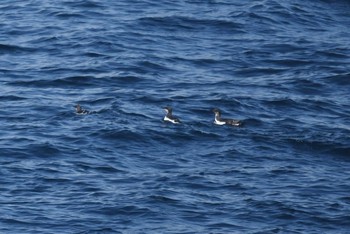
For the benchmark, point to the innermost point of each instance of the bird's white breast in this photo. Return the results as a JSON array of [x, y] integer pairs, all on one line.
[[219, 122], [170, 120]]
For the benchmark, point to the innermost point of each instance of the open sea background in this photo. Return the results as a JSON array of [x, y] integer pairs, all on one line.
[[283, 67]]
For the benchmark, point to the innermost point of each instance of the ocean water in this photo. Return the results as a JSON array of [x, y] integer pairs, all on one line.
[[283, 67]]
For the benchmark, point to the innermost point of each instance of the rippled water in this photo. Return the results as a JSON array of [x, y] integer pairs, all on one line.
[[283, 67]]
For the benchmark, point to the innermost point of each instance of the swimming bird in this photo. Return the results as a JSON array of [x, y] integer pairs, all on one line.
[[219, 121], [169, 115], [79, 110]]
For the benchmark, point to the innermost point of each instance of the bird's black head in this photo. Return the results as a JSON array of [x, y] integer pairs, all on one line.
[[215, 110], [168, 109]]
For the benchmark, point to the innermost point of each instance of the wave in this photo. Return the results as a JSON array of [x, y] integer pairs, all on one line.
[[339, 79], [12, 98], [14, 49], [73, 81], [191, 23]]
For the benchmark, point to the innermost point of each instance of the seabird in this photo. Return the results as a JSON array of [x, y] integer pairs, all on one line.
[[219, 121], [80, 110], [169, 116]]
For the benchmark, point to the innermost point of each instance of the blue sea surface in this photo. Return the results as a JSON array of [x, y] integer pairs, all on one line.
[[282, 67]]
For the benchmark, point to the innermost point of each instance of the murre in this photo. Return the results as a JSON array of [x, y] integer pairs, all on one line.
[[169, 115], [79, 110], [219, 121]]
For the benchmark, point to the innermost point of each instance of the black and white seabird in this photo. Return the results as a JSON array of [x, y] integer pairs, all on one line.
[[169, 116], [219, 121], [79, 110]]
